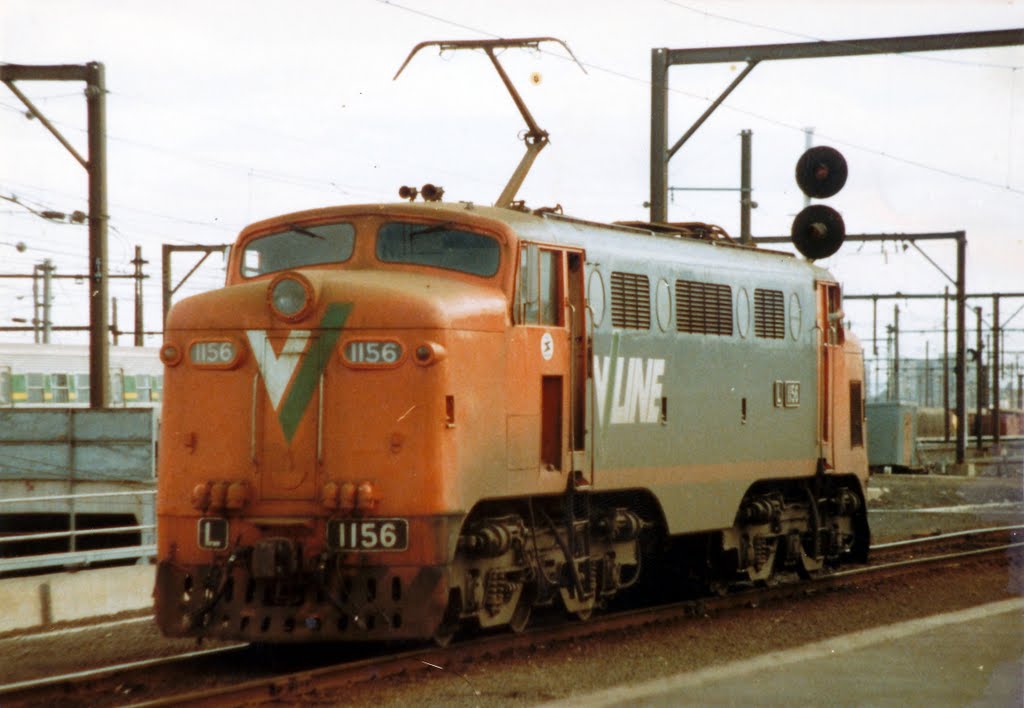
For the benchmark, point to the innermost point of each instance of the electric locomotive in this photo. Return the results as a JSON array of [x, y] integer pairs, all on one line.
[[398, 420]]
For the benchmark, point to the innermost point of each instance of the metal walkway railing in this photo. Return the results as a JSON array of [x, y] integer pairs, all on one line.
[[74, 556]]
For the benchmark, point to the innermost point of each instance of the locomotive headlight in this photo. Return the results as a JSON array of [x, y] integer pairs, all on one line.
[[291, 296]]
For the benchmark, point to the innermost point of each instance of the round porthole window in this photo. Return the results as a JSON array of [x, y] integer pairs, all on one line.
[[595, 296], [663, 304], [796, 316], [742, 312]]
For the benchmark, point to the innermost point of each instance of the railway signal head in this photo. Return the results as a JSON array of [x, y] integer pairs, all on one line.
[[818, 231]]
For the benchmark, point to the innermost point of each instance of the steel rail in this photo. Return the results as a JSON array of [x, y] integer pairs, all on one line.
[[294, 685], [930, 560], [109, 671], [939, 537]]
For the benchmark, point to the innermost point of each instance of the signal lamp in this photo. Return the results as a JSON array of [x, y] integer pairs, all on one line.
[[170, 354], [237, 495], [290, 296], [366, 497], [818, 231], [821, 172], [329, 495], [347, 497], [218, 495], [429, 353], [201, 496]]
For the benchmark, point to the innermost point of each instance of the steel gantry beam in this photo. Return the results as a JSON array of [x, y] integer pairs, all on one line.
[[169, 288], [662, 59], [96, 166], [960, 281]]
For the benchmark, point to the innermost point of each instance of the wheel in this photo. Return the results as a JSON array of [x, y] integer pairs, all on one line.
[[808, 565], [450, 622], [524, 608], [584, 615], [444, 633]]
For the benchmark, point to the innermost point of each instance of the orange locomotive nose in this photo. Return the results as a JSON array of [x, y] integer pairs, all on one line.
[[322, 397]]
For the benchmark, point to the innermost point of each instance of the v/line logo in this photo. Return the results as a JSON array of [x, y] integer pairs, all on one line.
[[292, 375], [635, 384]]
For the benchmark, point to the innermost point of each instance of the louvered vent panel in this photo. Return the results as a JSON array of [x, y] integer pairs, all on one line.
[[703, 308], [769, 314], [631, 301]]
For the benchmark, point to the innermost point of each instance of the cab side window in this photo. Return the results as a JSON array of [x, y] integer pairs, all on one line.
[[836, 334], [539, 288]]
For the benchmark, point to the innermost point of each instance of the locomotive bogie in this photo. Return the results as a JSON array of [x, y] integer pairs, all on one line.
[[784, 526], [510, 563]]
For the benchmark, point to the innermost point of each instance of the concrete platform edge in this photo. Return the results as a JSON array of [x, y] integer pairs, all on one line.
[[40, 601], [659, 691]]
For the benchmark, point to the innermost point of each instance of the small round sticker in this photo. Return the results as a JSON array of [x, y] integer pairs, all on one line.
[[547, 346]]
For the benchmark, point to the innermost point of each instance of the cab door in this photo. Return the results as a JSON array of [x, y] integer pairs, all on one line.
[[551, 344], [830, 367]]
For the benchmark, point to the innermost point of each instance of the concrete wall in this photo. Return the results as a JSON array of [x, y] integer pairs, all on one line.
[[43, 600]]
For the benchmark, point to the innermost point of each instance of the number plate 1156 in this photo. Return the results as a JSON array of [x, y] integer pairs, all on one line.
[[368, 534]]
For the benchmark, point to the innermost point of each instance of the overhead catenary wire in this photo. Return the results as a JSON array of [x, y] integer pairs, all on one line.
[[132, 219], [742, 111]]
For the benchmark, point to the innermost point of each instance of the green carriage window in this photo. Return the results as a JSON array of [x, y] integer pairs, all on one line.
[[82, 388], [143, 387], [35, 387], [59, 388]]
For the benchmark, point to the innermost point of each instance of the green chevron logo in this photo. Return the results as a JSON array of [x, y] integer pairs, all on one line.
[[291, 376]]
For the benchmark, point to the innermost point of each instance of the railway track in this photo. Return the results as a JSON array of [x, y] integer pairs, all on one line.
[[157, 682]]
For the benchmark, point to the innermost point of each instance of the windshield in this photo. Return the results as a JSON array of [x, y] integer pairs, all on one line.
[[297, 247], [439, 246]]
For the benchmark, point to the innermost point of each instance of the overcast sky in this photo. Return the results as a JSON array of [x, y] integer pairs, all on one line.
[[222, 113]]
